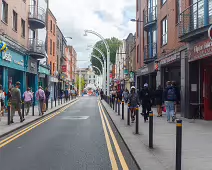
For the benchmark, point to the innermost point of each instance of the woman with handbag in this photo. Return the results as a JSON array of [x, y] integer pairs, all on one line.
[[28, 97]]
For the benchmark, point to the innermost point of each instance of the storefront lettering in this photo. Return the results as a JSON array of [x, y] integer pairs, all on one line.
[[21, 63], [33, 65], [7, 57], [170, 59]]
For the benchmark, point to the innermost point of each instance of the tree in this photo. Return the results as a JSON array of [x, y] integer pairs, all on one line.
[[82, 82], [113, 44]]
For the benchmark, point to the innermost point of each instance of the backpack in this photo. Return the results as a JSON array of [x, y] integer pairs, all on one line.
[[171, 94], [133, 99]]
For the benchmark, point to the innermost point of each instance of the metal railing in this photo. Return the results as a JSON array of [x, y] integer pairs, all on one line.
[[37, 13], [36, 46], [193, 17], [150, 15], [150, 51]]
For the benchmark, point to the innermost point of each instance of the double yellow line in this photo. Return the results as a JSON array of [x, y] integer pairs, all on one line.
[[114, 140], [32, 126]]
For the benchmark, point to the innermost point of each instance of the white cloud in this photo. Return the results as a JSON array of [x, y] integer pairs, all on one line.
[[74, 16]]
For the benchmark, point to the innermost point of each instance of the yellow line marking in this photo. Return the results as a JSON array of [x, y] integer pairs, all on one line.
[[109, 147], [118, 150], [23, 131]]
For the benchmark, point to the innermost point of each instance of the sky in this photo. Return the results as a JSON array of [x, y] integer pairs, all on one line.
[[110, 18]]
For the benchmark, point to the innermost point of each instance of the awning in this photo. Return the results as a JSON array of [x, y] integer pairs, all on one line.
[[53, 79]]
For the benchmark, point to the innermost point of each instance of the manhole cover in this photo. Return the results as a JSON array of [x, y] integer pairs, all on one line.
[[75, 117]]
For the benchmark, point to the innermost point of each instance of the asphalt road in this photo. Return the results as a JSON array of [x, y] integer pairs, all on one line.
[[72, 140]]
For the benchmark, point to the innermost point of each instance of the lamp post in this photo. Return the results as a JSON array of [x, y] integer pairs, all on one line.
[[104, 74], [97, 69], [108, 56]]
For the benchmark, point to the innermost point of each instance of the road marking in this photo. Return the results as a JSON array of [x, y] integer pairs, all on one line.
[[75, 117], [29, 128], [109, 147], [118, 150]]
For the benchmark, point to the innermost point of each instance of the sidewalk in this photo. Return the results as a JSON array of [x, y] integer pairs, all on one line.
[[196, 142], [5, 129]]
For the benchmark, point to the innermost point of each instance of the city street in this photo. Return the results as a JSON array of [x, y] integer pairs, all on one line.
[[80, 136]]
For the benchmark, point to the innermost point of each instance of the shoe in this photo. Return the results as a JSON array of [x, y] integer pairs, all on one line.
[[11, 121], [22, 120], [147, 118]]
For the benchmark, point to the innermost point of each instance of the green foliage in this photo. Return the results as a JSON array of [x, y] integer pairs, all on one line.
[[82, 82], [113, 43]]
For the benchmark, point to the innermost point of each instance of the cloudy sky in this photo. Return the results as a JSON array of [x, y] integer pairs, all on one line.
[[107, 17]]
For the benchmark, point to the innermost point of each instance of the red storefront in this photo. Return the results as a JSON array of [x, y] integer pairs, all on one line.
[[200, 78]]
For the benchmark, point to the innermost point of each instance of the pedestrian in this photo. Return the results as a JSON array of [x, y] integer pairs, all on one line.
[[125, 95], [16, 102], [28, 97], [174, 84], [145, 97], [66, 94], [41, 98], [159, 100], [169, 98], [133, 102], [47, 94], [2, 98], [101, 94]]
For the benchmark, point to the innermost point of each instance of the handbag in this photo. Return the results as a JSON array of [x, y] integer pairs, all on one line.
[[44, 107], [164, 108]]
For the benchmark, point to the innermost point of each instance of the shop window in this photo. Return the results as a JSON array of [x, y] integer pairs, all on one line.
[[4, 12], [15, 21], [22, 28], [164, 31]]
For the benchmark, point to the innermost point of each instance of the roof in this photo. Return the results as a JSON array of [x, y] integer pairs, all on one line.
[[50, 12]]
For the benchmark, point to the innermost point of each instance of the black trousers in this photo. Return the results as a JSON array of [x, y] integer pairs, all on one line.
[[146, 108]]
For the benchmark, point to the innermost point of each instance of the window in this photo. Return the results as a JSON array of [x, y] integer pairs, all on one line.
[[94, 81], [50, 46], [22, 28], [94, 77], [163, 2], [15, 21], [89, 77], [178, 11], [53, 48], [51, 25], [164, 31], [58, 42], [54, 29], [53, 68], [89, 81], [4, 12], [50, 67]]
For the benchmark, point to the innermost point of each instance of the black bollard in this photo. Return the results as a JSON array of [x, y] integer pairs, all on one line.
[[8, 116], [58, 101], [128, 115], [150, 129], [22, 108], [61, 100], [33, 108], [118, 107], [137, 121], [55, 102], [178, 144], [113, 101], [51, 103], [122, 110], [64, 100], [116, 104]]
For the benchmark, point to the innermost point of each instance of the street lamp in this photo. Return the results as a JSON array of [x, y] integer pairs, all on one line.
[[97, 69], [108, 55], [136, 20], [104, 58], [69, 37]]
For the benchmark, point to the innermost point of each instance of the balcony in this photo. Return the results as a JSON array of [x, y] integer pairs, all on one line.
[[150, 17], [195, 21], [150, 53], [37, 17], [36, 48]]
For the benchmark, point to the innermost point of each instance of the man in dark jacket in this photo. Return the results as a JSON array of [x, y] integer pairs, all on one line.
[[145, 97]]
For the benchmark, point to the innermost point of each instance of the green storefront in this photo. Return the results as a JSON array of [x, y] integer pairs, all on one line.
[[43, 73]]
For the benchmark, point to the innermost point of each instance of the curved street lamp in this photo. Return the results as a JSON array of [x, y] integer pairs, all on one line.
[[108, 55], [104, 58], [97, 69]]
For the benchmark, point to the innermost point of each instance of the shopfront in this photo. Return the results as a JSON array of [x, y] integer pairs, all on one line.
[[43, 75], [200, 79], [53, 87], [13, 68], [32, 74], [147, 74]]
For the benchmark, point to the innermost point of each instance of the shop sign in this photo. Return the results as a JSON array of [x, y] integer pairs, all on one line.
[[170, 59], [125, 71], [21, 63], [44, 70], [145, 70], [64, 68], [7, 57], [200, 50]]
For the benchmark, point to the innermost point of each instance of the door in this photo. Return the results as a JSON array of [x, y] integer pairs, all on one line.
[[207, 94]]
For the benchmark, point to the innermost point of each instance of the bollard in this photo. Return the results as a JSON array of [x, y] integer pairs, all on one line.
[[178, 144], [150, 129], [23, 109], [51, 103], [137, 121], [33, 108], [116, 104], [122, 110], [61, 100], [128, 115], [118, 107], [113, 100], [8, 115], [55, 102], [64, 100], [58, 101]]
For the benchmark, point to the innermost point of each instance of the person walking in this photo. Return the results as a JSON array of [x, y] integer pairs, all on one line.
[[169, 98], [133, 102], [159, 100], [174, 84], [101, 94], [28, 97], [145, 97], [47, 94], [16, 102], [2, 98], [125, 95], [41, 98]]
